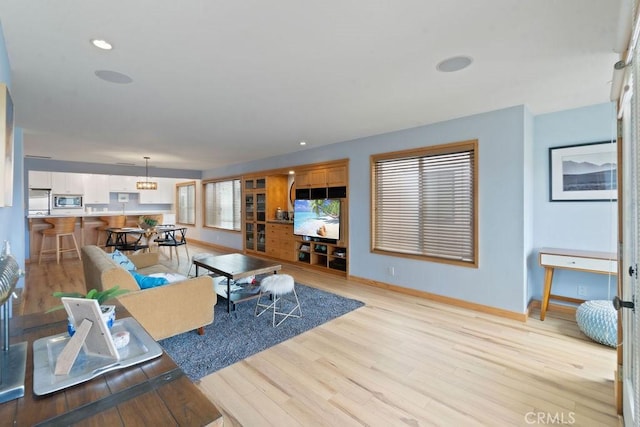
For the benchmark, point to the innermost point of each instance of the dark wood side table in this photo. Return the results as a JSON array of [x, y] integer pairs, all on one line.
[[155, 392]]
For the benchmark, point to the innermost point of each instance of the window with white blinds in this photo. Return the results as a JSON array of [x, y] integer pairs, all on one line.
[[222, 204], [424, 203], [186, 208]]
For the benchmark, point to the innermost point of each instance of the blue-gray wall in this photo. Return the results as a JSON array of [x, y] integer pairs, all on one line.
[[501, 279], [12, 220], [516, 218], [575, 225]]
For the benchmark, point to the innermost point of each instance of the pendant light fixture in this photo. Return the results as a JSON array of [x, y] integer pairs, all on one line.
[[146, 184]]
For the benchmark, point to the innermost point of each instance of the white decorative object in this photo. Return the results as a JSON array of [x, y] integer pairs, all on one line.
[[598, 320], [277, 286]]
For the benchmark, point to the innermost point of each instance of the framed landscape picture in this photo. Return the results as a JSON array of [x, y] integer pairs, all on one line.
[[584, 172]]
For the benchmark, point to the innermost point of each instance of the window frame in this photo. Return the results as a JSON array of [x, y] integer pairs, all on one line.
[[441, 149], [204, 204], [195, 202]]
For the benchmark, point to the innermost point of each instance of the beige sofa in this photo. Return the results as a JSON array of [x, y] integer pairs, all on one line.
[[164, 311]]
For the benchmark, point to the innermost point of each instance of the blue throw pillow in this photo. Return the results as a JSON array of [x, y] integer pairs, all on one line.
[[146, 282], [122, 260]]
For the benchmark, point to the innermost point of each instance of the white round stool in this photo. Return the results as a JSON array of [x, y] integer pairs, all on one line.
[[277, 286]]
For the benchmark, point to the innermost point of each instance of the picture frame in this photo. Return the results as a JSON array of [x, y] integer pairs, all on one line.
[[99, 342], [583, 172]]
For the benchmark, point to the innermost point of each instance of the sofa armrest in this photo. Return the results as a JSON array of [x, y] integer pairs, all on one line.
[[172, 309], [145, 259]]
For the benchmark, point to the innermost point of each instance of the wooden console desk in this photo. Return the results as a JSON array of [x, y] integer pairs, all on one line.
[[155, 392], [592, 262]]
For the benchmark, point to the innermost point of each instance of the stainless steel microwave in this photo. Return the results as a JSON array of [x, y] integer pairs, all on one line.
[[67, 201]]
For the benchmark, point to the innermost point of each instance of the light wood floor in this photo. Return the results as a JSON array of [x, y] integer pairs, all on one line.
[[400, 360]]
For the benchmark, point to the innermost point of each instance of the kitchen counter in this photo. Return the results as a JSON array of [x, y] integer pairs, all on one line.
[[87, 227], [81, 213]]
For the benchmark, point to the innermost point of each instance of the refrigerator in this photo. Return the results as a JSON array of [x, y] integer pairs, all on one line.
[[39, 201]]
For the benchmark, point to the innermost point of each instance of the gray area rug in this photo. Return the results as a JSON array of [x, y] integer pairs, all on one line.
[[236, 336]]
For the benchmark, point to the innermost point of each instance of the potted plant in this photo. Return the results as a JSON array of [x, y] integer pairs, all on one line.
[[146, 222], [108, 311]]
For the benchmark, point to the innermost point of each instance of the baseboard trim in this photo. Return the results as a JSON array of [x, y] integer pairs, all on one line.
[[567, 309], [214, 246], [522, 317]]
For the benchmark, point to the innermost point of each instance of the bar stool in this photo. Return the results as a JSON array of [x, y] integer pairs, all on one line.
[[61, 227], [112, 221]]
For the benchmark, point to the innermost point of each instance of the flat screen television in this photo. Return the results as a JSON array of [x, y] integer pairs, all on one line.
[[317, 218]]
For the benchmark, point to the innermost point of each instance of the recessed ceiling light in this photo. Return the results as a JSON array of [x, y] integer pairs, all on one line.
[[303, 143], [101, 44], [113, 76], [292, 172], [455, 63]]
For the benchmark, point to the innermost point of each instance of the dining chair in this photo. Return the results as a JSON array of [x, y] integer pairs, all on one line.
[[172, 238]]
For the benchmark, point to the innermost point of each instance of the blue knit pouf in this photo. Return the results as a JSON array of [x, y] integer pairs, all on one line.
[[599, 321]]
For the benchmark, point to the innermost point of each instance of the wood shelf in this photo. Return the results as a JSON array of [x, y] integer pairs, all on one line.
[[264, 192], [320, 254]]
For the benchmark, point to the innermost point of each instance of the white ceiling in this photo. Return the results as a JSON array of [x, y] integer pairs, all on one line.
[[223, 82]]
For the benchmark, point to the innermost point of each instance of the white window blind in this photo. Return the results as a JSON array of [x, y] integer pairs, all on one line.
[[222, 204], [424, 202], [186, 204]]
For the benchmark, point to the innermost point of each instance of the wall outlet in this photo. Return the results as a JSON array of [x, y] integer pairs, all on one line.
[[391, 271], [582, 291]]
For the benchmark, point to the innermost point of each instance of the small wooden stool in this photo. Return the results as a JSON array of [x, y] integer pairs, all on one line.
[[61, 227]]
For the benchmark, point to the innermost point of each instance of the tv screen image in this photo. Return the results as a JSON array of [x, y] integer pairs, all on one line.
[[317, 218]]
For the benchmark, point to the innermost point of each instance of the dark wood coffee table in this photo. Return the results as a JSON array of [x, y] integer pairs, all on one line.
[[234, 267], [155, 392]]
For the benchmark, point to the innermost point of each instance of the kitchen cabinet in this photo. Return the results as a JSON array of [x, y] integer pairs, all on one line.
[[281, 241], [312, 178], [332, 176], [255, 214], [39, 179], [336, 176], [96, 189], [165, 194], [261, 198], [122, 184], [67, 183]]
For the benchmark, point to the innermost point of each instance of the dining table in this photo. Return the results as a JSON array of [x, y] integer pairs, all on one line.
[[126, 238]]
